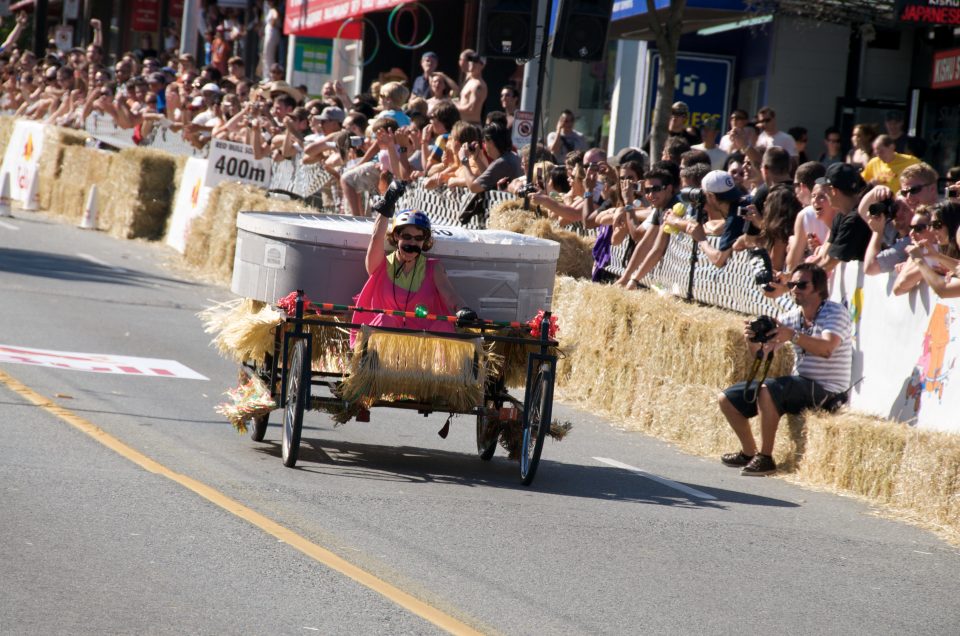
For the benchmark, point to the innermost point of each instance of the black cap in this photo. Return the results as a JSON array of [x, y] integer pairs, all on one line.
[[845, 177]]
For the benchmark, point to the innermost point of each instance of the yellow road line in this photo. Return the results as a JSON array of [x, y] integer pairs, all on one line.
[[406, 601]]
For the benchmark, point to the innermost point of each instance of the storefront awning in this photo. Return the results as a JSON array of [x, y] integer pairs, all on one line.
[[323, 18], [630, 20]]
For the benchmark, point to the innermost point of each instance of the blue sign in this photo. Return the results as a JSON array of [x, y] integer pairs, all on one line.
[[703, 83]]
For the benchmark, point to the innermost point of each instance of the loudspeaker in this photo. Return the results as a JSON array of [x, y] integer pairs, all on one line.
[[506, 28], [581, 32]]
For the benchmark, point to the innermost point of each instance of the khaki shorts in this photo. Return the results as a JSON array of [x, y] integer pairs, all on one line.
[[363, 178]]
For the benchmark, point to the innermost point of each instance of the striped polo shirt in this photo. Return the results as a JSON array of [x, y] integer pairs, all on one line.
[[832, 373]]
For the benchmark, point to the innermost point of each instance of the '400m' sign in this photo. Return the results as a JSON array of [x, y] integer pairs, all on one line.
[[229, 161]]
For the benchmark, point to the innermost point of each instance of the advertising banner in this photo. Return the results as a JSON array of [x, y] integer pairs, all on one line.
[[230, 161], [190, 203], [20, 162], [703, 83]]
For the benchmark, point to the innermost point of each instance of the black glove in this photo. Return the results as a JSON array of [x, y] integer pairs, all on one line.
[[466, 316], [386, 204]]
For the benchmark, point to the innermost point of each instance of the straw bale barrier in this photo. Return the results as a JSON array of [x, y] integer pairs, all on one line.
[[914, 472], [576, 252], [655, 363], [6, 130], [212, 238], [137, 199], [50, 165], [81, 167]]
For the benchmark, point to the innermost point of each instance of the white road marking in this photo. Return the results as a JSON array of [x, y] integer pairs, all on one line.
[[97, 261], [660, 480], [8, 226]]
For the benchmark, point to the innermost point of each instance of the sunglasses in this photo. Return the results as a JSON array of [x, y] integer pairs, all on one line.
[[801, 285], [919, 227], [654, 189], [914, 190], [420, 238]]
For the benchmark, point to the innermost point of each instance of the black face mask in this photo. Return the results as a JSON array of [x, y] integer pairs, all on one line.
[[411, 249]]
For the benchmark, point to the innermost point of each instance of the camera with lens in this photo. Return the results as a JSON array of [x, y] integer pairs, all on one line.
[[762, 267], [694, 197], [763, 328], [886, 207]]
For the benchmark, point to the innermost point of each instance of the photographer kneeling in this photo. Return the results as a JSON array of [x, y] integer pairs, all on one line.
[[819, 330]]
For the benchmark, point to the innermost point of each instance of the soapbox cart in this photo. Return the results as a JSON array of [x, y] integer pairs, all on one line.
[[296, 385]]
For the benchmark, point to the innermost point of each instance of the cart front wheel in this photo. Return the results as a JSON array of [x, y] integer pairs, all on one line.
[[536, 421], [488, 431], [298, 388]]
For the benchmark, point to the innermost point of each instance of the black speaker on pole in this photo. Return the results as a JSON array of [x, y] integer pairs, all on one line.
[[581, 32], [506, 28]]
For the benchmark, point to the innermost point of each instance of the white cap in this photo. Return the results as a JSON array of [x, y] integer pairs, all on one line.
[[210, 87]]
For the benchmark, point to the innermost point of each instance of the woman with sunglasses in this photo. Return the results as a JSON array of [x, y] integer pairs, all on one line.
[[937, 265], [926, 235], [405, 279]]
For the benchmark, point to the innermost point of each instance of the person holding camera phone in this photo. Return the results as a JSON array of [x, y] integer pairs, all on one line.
[[888, 213], [933, 231], [820, 332]]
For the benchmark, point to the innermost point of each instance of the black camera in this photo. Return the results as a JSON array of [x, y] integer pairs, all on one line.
[[386, 204], [886, 207], [763, 329], [762, 267], [694, 197]]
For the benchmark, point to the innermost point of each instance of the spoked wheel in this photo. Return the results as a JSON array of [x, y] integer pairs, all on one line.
[[298, 390], [536, 421], [488, 430]]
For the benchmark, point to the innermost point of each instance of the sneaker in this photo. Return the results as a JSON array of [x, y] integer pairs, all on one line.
[[735, 460], [760, 465]]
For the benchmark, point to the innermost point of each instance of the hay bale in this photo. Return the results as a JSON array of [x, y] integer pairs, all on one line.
[[670, 361], [6, 130], [213, 235], [914, 471], [137, 199], [50, 164], [576, 252], [86, 167]]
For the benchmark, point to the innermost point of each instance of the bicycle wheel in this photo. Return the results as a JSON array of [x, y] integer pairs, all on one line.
[[298, 389], [536, 421]]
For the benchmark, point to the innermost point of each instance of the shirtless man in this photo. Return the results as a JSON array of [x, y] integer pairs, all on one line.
[[474, 92]]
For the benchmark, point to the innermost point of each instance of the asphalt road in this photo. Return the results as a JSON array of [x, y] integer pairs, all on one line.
[[95, 544]]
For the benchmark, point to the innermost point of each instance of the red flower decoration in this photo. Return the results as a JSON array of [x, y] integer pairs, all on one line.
[[535, 322], [289, 303]]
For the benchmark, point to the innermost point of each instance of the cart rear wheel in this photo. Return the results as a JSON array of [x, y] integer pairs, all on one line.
[[536, 421], [298, 389], [488, 431]]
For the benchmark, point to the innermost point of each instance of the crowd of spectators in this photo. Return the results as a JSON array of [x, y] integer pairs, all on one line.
[[877, 202]]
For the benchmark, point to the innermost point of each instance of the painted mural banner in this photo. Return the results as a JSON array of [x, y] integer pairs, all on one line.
[[905, 350]]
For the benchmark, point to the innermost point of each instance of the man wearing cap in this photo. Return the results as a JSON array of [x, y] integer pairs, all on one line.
[[421, 85], [474, 92], [565, 139], [660, 191], [907, 145], [887, 164], [708, 132], [722, 202], [677, 126], [849, 234]]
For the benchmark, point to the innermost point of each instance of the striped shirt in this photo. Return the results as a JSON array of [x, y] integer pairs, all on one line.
[[832, 373]]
